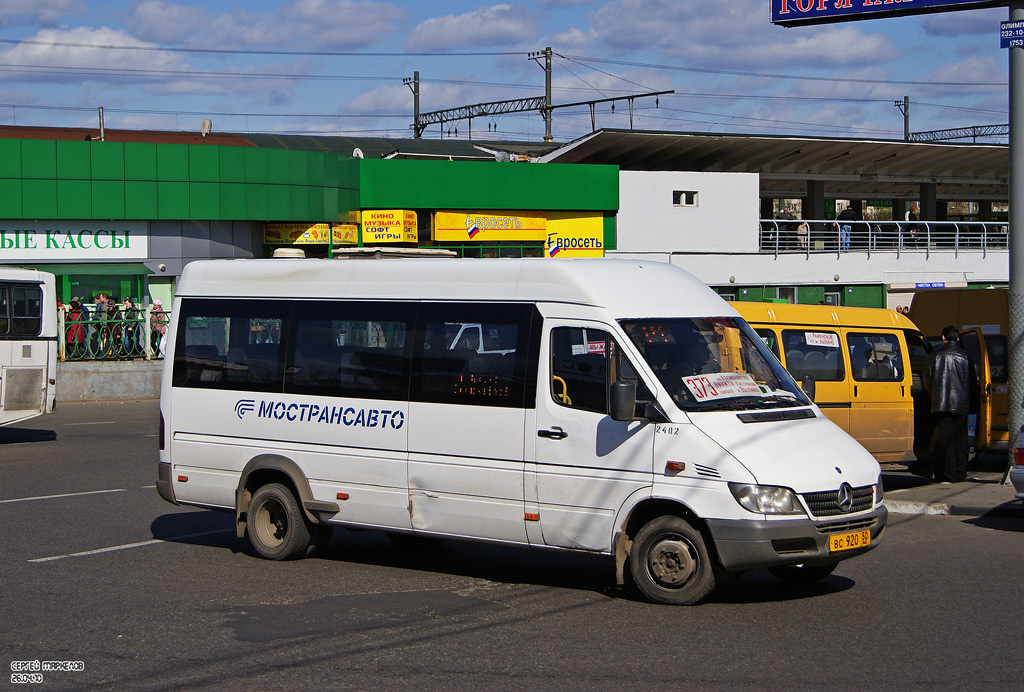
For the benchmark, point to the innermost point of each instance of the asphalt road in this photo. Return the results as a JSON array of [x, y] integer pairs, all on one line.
[[97, 569]]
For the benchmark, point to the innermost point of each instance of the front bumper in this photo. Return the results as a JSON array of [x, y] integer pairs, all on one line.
[[750, 543]]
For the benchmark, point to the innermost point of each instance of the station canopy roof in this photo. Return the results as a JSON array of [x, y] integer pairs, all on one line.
[[387, 148], [850, 168]]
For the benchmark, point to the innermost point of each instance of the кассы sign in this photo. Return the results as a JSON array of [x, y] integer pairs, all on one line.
[[799, 12], [32, 241]]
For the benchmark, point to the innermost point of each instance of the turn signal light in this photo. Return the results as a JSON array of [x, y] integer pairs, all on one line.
[[183, 479], [675, 466], [532, 516], [342, 496]]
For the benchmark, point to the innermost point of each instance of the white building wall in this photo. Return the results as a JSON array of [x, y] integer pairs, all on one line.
[[724, 217], [717, 240]]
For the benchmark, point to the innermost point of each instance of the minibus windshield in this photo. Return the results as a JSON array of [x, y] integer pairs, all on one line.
[[715, 363]]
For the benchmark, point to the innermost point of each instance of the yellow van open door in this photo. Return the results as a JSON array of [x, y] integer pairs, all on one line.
[[973, 341]]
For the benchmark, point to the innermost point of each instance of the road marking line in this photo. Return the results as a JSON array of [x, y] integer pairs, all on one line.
[[126, 546], [52, 497], [97, 422]]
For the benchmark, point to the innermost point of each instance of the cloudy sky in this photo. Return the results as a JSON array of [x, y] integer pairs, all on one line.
[[337, 66]]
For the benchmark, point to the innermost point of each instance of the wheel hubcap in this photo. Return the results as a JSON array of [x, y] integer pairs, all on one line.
[[672, 562], [272, 523]]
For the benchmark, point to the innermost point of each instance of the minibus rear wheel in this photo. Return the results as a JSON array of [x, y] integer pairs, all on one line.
[[277, 528], [670, 563]]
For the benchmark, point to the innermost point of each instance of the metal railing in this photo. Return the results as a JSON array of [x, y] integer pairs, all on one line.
[[810, 236], [112, 335]]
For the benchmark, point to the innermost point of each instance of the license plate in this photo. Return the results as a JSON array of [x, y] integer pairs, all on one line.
[[849, 541]]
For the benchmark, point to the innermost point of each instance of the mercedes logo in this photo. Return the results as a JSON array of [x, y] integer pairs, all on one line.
[[844, 498]]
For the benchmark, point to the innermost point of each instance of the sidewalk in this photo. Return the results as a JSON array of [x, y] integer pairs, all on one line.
[[980, 495]]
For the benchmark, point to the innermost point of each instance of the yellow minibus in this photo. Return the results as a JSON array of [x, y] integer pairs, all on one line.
[[865, 364]]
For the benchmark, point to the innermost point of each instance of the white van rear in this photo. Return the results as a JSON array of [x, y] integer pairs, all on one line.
[[629, 412]]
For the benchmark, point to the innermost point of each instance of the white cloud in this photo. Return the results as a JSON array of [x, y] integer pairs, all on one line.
[[497, 25], [969, 23], [37, 11], [39, 54], [734, 34], [319, 24]]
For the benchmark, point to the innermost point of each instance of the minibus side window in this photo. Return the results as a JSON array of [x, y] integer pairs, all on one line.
[[28, 316], [995, 344], [583, 361], [814, 352], [876, 357], [350, 349], [231, 344], [769, 339], [455, 372]]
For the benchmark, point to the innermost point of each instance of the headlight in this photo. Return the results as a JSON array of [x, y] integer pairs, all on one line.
[[878, 490], [766, 499]]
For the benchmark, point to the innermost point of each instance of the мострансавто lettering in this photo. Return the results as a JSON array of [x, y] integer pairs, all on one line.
[[332, 415]]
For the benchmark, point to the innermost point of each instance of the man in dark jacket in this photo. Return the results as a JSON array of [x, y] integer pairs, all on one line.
[[947, 379]]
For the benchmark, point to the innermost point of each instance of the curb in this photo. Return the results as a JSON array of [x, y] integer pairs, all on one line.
[[907, 507], [1010, 509]]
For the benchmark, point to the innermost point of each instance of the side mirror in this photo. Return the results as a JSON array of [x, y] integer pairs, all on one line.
[[807, 384], [623, 401]]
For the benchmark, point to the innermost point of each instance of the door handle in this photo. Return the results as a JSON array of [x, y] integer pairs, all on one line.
[[556, 433]]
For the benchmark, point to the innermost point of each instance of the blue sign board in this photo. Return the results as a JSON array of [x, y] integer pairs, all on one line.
[[800, 12], [930, 284], [1011, 34]]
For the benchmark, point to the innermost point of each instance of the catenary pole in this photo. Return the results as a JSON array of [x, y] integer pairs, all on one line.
[[1016, 238]]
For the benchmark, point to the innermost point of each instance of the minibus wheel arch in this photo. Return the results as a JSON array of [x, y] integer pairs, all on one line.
[[640, 516], [270, 468]]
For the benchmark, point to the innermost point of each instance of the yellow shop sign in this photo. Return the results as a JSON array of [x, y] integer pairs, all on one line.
[[296, 233], [484, 226], [389, 226], [346, 234], [574, 235]]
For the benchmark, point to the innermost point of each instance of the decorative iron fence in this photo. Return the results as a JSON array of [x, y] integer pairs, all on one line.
[[809, 236], [112, 334]]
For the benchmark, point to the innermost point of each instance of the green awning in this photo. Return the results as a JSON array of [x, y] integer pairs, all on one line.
[[98, 269]]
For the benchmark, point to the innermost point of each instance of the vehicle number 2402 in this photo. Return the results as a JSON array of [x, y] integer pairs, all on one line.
[[668, 429]]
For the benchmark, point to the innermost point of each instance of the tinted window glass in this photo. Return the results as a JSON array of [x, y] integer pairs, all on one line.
[[231, 344], [814, 352], [995, 344], [769, 339], [876, 357], [351, 349], [453, 365], [27, 313], [579, 367]]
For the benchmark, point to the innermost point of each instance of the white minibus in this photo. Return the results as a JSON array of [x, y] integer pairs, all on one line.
[[630, 413], [28, 344]]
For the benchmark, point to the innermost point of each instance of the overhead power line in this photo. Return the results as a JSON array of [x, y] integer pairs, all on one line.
[[768, 75], [242, 51]]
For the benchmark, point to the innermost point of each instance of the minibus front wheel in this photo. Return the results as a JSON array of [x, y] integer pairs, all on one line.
[[670, 562], [277, 527]]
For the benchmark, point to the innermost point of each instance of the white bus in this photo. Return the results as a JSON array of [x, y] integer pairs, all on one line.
[[28, 344], [629, 412]]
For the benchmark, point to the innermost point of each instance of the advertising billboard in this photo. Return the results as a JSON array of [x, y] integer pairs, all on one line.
[[800, 12]]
